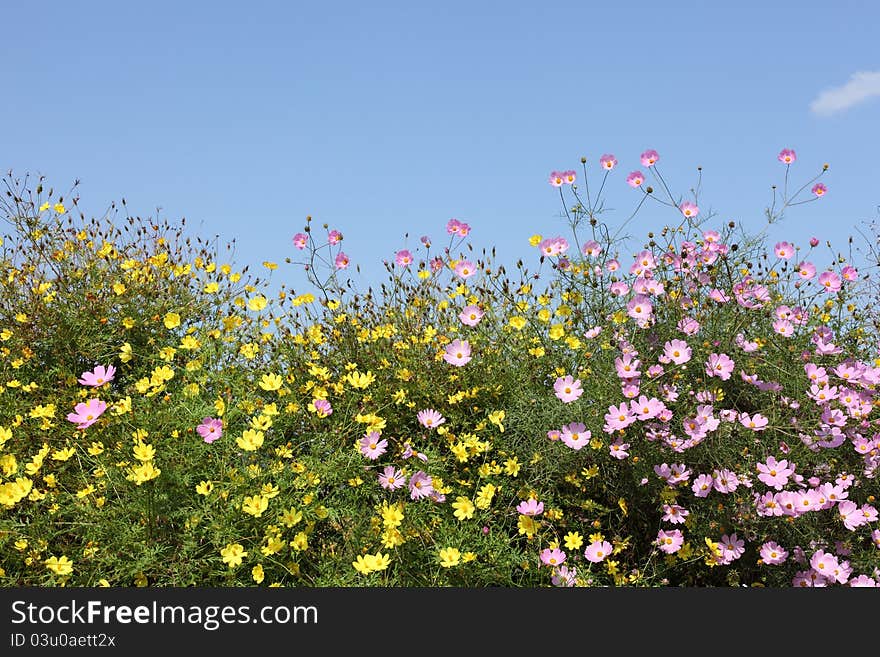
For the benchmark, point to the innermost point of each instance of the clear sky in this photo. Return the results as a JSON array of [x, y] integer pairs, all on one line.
[[382, 118]]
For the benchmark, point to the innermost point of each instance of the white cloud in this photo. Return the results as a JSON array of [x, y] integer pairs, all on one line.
[[861, 86]]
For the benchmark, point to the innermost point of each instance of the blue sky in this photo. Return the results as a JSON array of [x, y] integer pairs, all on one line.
[[385, 118]]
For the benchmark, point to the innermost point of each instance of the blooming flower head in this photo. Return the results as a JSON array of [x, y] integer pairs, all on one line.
[[591, 248], [676, 351], [530, 507], [430, 419], [772, 554], [787, 156], [719, 365], [210, 429], [598, 551], [391, 478], [567, 388], [569, 176], [300, 240], [465, 269], [607, 161], [322, 407], [420, 485], [819, 189], [670, 542], [564, 576], [342, 260], [456, 227], [783, 250], [575, 435], [650, 157], [774, 473], [372, 445], [553, 246], [403, 258], [98, 377], [471, 315], [635, 179], [334, 237], [87, 413], [557, 179], [830, 281], [458, 353], [553, 557], [689, 209]]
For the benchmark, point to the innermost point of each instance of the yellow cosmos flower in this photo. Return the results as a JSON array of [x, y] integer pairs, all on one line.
[[450, 557], [62, 566], [233, 554]]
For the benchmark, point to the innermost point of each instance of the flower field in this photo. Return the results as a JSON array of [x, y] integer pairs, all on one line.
[[696, 410]]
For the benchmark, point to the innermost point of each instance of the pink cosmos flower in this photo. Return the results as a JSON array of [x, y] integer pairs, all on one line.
[[819, 189], [823, 563], [783, 327], [670, 542], [334, 237], [557, 179], [552, 557], [689, 209], [862, 581], [87, 413], [814, 241], [849, 273], [639, 307], [575, 435], [675, 514], [719, 365], [300, 240], [618, 449], [688, 325], [420, 485], [403, 258], [391, 478], [322, 407], [784, 250], [619, 288], [458, 353], [568, 389], [471, 315], [598, 550], [676, 351], [569, 176], [618, 418], [850, 514], [774, 473], [210, 429], [465, 269], [453, 227], [725, 481], [530, 507], [430, 419], [553, 246], [787, 156], [635, 179], [806, 270], [756, 422], [772, 554], [342, 260], [650, 157], [372, 446], [830, 281], [564, 576], [732, 547], [592, 248], [608, 161], [98, 377]]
